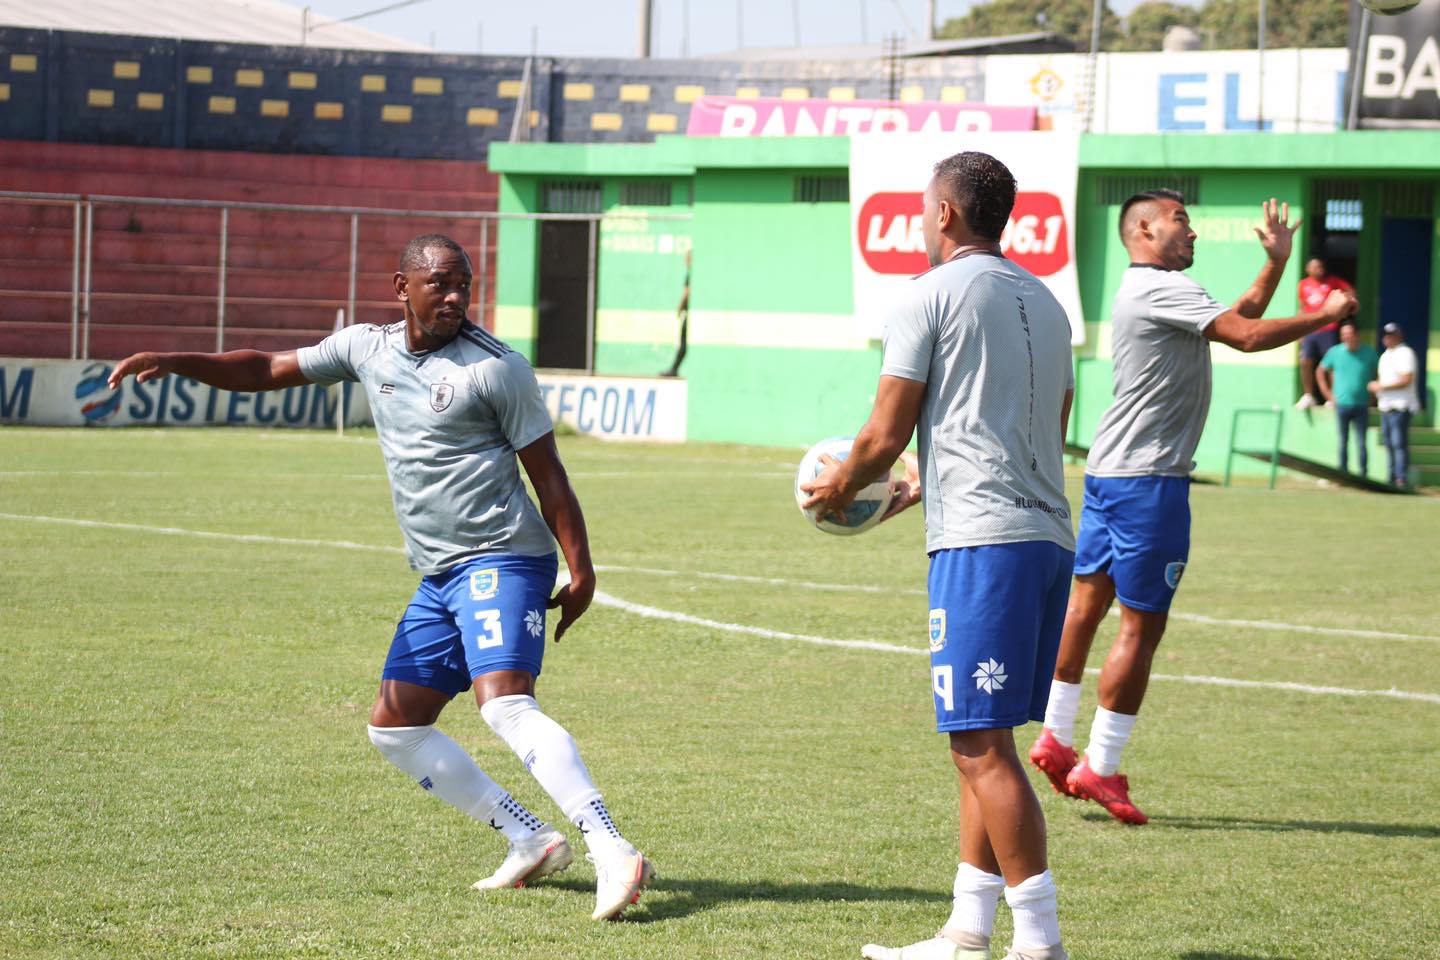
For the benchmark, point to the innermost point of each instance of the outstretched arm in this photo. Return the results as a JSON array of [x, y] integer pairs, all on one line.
[[1276, 237], [1250, 335], [561, 510], [248, 371]]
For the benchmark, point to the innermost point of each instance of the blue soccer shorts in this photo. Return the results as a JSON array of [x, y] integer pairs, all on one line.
[[1137, 530], [996, 613], [481, 616]]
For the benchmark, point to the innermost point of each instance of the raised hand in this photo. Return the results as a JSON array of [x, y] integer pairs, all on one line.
[[1276, 232]]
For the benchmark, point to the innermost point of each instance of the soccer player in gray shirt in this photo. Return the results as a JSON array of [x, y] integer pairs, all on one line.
[[454, 409], [1134, 537], [978, 355]]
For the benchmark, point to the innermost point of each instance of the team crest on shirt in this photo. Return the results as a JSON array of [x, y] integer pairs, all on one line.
[[484, 584], [937, 630], [1173, 573], [440, 396]]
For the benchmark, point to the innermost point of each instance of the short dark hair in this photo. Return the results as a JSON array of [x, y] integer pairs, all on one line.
[[413, 258], [1349, 322], [982, 189], [1145, 196]]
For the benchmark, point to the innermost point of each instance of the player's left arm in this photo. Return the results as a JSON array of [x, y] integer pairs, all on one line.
[[561, 510], [1065, 406], [876, 448], [1276, 235]]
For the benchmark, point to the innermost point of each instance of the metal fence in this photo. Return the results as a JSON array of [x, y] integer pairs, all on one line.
[[83, 209]]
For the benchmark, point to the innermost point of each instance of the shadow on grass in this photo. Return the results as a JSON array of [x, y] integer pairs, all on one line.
[[1213, 955], [683, 897], [1421, 830]]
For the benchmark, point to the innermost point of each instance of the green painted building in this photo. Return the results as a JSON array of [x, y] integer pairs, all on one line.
[[773, 355]]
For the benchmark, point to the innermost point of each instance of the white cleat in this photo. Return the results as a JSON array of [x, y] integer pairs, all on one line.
[[964, 946], [1057, 952], [619, 878], [547, 853]]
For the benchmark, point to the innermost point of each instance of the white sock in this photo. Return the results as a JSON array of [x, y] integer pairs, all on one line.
[[1037, 920], [976, 895], [444, 768], [1061, 709], [1108, 736], [549, 753]]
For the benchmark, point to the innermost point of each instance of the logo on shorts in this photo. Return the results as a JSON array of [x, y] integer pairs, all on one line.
[[440, 396], [484, 584], [535, 623], [1173, 573], [937, 630], [991, 676]]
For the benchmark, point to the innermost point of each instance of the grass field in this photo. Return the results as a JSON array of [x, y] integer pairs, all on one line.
[[184, 770]]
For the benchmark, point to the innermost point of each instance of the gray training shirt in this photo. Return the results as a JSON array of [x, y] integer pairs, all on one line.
[[449, 422], [992, 346], [1161, 376]]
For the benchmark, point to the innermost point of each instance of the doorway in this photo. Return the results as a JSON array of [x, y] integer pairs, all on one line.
[[1405, 285], [562, 339]]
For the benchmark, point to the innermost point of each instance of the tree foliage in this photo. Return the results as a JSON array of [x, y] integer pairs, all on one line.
[[1069, 18], [1222, 24], [1145, 26]]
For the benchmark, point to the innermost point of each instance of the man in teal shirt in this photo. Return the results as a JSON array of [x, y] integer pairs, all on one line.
[[1345, 372]]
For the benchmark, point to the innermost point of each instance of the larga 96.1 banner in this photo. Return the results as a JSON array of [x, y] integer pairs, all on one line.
[[887, 182]]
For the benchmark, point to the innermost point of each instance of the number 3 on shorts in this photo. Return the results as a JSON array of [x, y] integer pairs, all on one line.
[[490, 633], [942, 681]]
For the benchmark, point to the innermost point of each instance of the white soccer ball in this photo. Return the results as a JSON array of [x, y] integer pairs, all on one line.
[[1389, 8], [863, 513]]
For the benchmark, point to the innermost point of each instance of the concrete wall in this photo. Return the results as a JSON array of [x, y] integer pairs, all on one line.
[[773, 358]]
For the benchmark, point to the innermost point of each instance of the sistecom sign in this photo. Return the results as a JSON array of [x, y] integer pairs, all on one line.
[[887, 180]]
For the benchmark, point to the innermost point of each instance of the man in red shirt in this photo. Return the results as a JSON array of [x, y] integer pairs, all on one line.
[[1313, 290]]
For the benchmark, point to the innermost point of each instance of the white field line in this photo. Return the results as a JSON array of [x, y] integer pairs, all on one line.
[[203, 534], [770, 581], [871, 588], [175, 473], [656, 613], [1300, 628], [1296, 687], [378, 475], [608, 474]]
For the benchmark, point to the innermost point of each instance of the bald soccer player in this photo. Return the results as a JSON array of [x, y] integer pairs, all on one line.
[[457, 413]]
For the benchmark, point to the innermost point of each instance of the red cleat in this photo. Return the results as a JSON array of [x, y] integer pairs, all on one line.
[[1112, 792], [1054, 759]]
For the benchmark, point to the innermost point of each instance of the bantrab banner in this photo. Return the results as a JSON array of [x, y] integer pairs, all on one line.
[[1400, 73], [887, 183]]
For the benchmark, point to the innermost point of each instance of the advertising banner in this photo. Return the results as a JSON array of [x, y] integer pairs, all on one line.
[[617, 408], [73, 393], [887, 182], [775, 117], [1400, 82], [1209, 91]]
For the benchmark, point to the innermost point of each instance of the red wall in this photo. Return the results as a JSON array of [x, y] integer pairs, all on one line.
[[155, 269]]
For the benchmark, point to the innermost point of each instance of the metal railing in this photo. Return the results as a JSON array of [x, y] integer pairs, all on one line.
[[83, 253]]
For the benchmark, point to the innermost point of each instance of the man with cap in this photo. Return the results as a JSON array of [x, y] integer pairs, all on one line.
[[1399, 395]]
